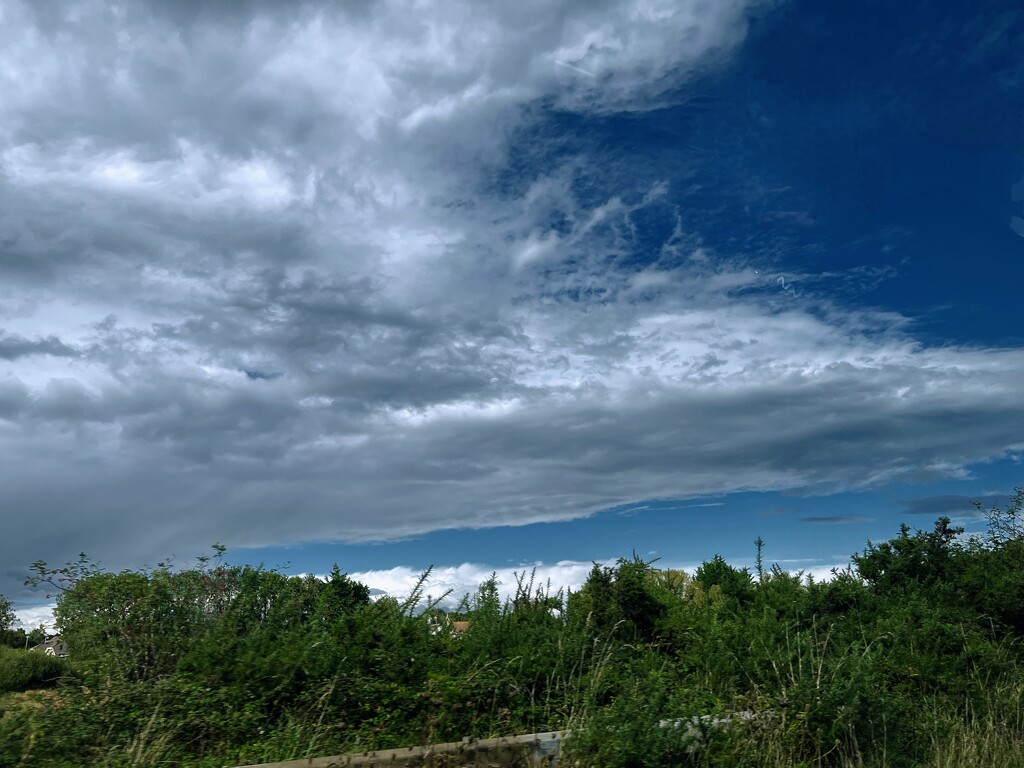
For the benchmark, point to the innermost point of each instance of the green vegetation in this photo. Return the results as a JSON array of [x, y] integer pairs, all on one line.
[[22, 670], [16, 638], [6, 614], [19, 638], [912, 656]]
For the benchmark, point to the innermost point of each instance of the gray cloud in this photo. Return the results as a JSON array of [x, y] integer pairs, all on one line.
[[13, 347], [197, 198]]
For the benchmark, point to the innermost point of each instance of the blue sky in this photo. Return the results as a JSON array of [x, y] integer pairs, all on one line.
[[808, 533], [484, 287]]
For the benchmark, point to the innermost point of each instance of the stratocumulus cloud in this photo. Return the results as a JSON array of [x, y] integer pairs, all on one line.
[[274, 276]]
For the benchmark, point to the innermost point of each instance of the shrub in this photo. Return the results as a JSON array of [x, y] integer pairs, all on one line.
[[21, 670]]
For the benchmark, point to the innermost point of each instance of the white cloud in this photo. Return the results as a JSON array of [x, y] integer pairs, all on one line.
[[35, 617], [457, 581]]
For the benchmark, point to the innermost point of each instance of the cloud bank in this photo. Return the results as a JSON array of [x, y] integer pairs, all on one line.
[[329, 273]]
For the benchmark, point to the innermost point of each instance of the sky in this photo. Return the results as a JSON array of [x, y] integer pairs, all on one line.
[[494, 286]]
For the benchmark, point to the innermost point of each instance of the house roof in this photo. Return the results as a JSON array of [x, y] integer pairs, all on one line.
[[53, 646]]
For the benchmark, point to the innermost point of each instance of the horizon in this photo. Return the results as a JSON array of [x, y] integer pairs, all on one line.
[[492, 288], [448, 585]]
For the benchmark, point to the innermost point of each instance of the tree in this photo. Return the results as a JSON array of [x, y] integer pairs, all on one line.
[[671, 580], [636, 598], [595, 601], [61, 579], [993, 577], [628, 594], [12, 638], [922, 559], [734, 583], [340, 595], [1005, 525], [6, 614]]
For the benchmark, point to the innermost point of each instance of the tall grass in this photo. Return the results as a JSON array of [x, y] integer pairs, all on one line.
[[981, 736]]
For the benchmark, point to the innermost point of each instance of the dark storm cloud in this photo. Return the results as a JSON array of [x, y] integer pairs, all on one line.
[[262, 375]]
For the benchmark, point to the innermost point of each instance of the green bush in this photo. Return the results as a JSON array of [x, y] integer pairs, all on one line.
[[913, 656], [23, 670]]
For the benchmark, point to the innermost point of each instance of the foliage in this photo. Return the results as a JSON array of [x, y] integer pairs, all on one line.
[[9, 637], [19, 638], [734, 583], [911, 656], [1004, 525], [16, 638], [911, 561], [6, 614], [21, 670]]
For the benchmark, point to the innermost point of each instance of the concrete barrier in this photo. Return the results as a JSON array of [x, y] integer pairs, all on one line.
[[532, 750]]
